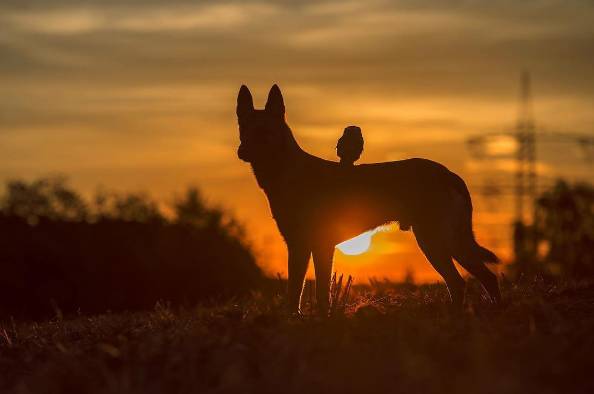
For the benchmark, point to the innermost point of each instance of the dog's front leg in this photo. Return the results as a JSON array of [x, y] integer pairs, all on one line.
[[322, 256], [298, 261]]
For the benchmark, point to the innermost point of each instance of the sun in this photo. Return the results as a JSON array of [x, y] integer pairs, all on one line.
[[358, 245]]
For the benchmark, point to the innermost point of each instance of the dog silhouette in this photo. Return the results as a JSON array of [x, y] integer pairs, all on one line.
[[318, 203]]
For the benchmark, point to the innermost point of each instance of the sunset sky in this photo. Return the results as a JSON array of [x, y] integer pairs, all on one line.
[[140, 95]]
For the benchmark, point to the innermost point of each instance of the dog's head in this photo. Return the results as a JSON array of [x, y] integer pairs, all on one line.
[[260, 130]]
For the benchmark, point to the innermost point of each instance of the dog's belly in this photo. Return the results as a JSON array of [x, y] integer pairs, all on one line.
[[349, 217]]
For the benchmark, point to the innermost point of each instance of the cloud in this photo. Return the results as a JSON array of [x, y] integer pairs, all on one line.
[[438, 69], [91, 18], [428, 49]]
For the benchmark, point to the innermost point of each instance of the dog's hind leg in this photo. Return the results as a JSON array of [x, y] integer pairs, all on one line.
[[467, 251], [298, 261], [322, 256], [483, 274], [435, 246]]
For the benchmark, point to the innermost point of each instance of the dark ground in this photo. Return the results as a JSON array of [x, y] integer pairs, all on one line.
[[393, 339]]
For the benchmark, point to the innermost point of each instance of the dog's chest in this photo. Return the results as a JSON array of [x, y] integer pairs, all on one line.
[[288, 212]]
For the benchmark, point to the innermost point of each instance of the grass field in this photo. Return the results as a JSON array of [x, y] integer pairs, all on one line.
[[390, 339]]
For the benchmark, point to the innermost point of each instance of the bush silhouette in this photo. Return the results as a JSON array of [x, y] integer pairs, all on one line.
[[560, 243], [120, 252], [566, 224], [47, 197]]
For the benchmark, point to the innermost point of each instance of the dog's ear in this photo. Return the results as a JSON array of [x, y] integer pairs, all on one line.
[[275, 104], [245, 103]]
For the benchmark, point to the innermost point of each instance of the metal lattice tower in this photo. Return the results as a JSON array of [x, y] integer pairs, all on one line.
[[526, 173]]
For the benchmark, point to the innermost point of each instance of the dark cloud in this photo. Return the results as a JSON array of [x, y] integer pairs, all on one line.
[[434, 49]]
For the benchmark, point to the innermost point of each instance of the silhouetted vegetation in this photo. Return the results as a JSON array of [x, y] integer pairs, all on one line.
[[563, 232], [566, 225], [395, 340], [59, 252]]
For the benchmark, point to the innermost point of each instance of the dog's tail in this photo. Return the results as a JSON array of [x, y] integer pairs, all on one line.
[[483, 254], [470, 247]]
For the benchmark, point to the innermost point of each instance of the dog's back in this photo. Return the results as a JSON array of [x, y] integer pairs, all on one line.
[[343, 202]]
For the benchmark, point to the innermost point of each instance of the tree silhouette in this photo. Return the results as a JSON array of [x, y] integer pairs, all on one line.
[[118, 252], [565, 225], [191, 209], [47, 197]]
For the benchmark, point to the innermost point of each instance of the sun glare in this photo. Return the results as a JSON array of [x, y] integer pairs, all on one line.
[[358, 245]]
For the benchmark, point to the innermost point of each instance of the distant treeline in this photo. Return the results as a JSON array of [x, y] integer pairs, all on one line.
[[560, 243], [62, 253]]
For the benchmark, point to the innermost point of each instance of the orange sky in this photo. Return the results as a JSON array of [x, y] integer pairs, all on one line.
[[143, 97]]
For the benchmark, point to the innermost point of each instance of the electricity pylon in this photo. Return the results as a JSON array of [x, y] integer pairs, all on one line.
[[525, 133], [525, 136]]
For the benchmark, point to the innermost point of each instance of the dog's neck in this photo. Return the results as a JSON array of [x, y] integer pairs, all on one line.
[[271, 171]]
